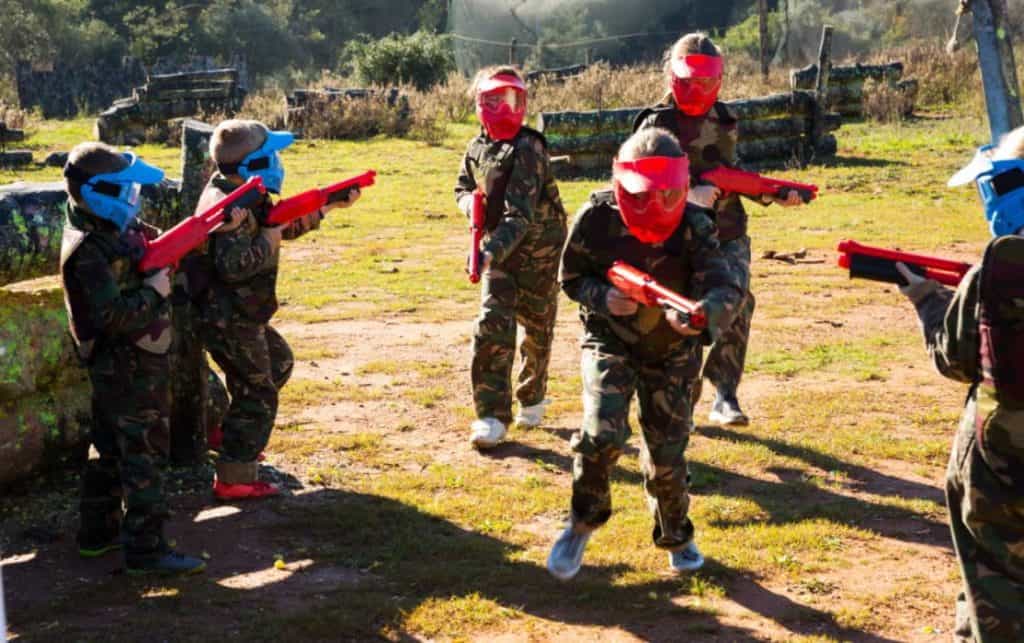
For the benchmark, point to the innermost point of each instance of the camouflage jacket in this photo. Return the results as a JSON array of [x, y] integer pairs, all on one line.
[[105, 296], [709, 142], [235, 275], [689, 262], [953, 334], [521, 190]]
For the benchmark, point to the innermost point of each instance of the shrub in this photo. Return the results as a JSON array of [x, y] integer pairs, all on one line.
[[886, 103], [422, 59]]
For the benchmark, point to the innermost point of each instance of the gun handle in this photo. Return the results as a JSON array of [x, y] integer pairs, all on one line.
[[341, 195], [805, 195]]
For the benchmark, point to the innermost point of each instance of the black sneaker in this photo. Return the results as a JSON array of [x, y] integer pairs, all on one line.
[[97, 550], [727, 412], [170, 563]]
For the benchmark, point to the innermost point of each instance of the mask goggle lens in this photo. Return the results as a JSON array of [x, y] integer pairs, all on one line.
[[509, 96], [131, 192], [668, 200]]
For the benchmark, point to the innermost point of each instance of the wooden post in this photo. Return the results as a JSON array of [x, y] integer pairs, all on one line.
[[762, 12], [998, 71], [821, 88], [512, 52]]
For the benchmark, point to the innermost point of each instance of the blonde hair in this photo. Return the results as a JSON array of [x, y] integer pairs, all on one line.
[[1011, 146], [697, 42], [490, 72], [92, 158], [234, 139]]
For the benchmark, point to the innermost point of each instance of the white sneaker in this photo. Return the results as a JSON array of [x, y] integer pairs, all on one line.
[[487, 433], [687, 559], [530, 417], [566, 555]]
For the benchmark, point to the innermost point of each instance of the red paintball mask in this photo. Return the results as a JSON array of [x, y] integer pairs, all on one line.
[[696, 79], [501, 106], [651, 193]]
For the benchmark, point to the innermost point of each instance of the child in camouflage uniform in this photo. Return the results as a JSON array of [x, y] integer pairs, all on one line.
[[240, 297], [706, 129], [976, 335], [525, 232], [627, 348], [120, 322]]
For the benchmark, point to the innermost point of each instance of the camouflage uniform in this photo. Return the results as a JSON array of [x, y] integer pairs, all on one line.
[[709, 142], [640, 353], [236, 305], [985, 478], [526, 231], [122, 330]]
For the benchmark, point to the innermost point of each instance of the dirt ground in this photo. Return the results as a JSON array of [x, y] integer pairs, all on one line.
[[52, 594]]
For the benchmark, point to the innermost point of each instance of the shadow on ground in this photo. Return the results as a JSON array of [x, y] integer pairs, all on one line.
[[358, 564]]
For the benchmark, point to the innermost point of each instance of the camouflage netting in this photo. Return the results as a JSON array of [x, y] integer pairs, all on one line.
[[44, 393]]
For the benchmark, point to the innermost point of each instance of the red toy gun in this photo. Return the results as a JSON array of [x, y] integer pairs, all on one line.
[[879, 264], [169, 248], [298, 206], [643, 289], [755, 185], [477, 219]]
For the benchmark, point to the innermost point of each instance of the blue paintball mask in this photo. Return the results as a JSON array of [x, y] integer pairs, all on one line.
[[264, 162], [1001, 186], [115, 196]]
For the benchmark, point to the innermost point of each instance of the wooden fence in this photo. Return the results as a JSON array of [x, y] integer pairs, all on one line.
[[774, 130]]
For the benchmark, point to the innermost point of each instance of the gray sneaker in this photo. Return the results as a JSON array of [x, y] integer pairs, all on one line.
[[687, 559], [726, 411], [566, 556]]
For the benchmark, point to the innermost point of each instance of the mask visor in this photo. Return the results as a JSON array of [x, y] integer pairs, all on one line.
[[653, 173], [697, 66]]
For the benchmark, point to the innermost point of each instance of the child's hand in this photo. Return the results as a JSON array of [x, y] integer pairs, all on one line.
[[160, 281], [792, 199], [675, 320], [917, 287], [234, 219], [273, 237], [619, 304], [353, 196], [704, 195]]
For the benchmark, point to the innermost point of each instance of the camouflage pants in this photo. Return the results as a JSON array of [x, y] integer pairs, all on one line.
[[528, 297], [609, 382], [727, 357], [130, 405], [987, 519], [257, 363]]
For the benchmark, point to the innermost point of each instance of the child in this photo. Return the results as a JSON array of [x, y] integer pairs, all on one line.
[[706, 129], [120, 322], [236, 305], [628, 348], [525, 232], [975, 335]]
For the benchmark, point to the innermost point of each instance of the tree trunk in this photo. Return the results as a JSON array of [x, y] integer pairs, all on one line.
[[998, 70]]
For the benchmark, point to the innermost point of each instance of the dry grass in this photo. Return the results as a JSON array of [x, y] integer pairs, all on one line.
[[14, 117], [885, 103]]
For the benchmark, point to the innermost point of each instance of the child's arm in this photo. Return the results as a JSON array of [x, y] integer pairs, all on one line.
[[114, 311], [579, 278], [464, 186], [522, 196], [949, 321], [715, 279], [301, 226], [239, 254]]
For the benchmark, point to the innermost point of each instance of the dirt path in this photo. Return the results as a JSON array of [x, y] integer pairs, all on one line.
[[371, 395]]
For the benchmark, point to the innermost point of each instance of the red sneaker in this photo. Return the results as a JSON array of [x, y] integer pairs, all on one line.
[[244, 491]]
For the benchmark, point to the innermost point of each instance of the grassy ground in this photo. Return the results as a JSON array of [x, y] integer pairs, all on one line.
[[822, 521]]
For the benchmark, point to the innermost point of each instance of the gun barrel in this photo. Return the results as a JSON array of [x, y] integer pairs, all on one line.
[[880, 269], [853, 248]]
